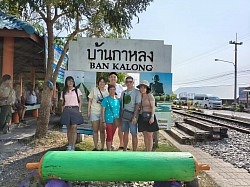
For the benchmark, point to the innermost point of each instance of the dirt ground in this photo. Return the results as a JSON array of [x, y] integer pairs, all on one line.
[[15, 154]]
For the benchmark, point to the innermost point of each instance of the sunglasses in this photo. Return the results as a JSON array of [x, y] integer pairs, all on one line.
[[129, 81]]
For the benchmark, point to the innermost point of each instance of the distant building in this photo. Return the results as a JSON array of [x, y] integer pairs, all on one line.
[[225, 92], [244, 94]]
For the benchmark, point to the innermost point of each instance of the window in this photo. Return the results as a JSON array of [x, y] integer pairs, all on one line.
[[198, 98], [214, 98]]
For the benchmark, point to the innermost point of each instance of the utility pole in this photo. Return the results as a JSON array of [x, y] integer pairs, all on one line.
[[235, 66]]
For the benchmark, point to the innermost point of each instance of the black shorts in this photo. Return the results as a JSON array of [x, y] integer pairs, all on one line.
[[19, 106], [71, 116]]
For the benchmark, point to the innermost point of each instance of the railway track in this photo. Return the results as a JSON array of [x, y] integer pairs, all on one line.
[[237, 125], [221, 137], [199, 127]]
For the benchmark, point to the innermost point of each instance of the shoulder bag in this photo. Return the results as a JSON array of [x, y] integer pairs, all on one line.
[[126, 114], [100, 100]]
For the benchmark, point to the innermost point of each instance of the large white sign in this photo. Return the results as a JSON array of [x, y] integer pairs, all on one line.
[[119, 55]]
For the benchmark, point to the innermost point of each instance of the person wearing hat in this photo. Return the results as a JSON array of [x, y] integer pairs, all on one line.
[[147, 125], [113, 77]]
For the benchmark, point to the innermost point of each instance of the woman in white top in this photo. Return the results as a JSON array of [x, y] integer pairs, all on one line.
[[30, 96], [94, 112]]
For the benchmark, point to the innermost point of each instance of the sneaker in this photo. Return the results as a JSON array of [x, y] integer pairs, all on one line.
[[69, 148], [94, 149]]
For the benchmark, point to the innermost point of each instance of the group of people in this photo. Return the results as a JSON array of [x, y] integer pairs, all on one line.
[[12, 98], [110, 107]]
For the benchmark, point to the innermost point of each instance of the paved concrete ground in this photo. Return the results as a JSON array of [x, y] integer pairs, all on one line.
[[225, 174], [21, 131], [25, 131], [229, 113]]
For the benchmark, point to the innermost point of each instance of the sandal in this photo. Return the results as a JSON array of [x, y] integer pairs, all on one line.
[[23, 121], [6, 128]]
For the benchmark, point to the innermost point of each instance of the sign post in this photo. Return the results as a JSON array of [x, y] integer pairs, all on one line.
[[151, 59]]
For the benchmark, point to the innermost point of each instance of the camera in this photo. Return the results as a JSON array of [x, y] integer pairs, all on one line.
[[100, 101]]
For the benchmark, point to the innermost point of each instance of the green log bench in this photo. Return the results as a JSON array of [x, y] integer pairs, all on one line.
[[117, 166], [33, 108], [81, 129]]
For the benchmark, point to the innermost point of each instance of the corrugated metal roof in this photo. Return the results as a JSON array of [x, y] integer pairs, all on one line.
[[11, 22], [223, 92]]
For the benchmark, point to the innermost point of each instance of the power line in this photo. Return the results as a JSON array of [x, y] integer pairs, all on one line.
[[213, 78], [209, 52], [218, 74]]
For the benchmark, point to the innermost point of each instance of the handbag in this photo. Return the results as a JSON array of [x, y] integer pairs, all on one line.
[[146, 116]]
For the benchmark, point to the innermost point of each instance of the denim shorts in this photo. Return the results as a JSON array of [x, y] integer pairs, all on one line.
[[126, 125], [95, 117]]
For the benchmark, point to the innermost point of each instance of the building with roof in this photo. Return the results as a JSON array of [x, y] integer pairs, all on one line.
[[21, 49]]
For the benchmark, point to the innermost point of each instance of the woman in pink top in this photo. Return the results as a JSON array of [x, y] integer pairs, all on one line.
[[71, 116]]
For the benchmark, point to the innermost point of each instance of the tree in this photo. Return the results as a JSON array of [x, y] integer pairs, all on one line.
[[121, 76], [93, 18]]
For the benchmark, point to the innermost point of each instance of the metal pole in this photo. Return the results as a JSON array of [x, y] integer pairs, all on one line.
[[247, 99], [235, 75], [235, 67]]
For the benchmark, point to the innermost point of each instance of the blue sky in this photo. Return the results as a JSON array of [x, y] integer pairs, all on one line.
[[199, 32]]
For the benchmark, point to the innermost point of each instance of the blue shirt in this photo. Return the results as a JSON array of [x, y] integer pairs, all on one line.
[[112, 109]]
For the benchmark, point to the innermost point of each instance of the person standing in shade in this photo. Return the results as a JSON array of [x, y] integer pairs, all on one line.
[[113, 77], [7, 99], [94, 112], [71, 116], [130, 101], [110, 111], [147, 105]]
